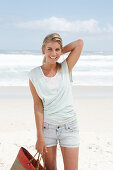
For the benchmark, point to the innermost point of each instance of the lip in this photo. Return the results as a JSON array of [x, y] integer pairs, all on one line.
[[54, 58]]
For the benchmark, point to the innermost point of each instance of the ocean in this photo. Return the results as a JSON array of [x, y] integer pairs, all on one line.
[[93, 68]]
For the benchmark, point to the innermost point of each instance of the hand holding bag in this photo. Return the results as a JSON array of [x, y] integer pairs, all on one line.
[[25, 161]]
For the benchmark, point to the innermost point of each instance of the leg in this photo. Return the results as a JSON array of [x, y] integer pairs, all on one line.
[[70, 158], [50, 158]]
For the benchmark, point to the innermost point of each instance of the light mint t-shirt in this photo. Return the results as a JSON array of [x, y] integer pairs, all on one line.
[[58, 104]]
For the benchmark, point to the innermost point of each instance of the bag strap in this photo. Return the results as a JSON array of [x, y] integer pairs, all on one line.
[[39, 160]]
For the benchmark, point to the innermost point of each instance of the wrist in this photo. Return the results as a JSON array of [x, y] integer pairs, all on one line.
[[40, 136]]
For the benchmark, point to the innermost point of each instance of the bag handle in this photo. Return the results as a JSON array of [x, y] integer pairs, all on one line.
[[38, 160]]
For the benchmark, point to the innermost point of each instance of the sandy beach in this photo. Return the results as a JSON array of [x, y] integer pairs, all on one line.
[[94, 108]]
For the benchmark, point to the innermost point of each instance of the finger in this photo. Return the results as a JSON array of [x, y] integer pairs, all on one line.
[[40, 151], [45, 149], [37, 149]]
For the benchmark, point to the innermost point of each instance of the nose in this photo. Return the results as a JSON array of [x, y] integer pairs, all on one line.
[[53, 52]]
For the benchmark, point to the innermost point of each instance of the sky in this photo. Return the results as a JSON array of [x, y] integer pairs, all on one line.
[[25, 23]]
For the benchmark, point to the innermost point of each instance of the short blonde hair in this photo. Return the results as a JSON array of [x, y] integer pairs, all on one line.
[[51, 37]]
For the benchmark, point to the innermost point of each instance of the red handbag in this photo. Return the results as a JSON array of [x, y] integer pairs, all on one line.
[[25, 161]]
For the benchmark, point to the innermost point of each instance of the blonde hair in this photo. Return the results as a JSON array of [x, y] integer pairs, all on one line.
[[51, 37]]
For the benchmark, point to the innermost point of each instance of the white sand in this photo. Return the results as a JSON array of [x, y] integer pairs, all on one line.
[[94, 107]]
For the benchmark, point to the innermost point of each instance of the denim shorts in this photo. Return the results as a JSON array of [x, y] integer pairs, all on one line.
[[66, 135]]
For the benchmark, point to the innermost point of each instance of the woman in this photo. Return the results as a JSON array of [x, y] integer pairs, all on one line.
[[53, 104]]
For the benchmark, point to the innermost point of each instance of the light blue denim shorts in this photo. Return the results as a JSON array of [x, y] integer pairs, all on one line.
[[66, 135]]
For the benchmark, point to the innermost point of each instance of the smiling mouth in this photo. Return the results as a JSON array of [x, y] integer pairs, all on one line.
[[53, 57]]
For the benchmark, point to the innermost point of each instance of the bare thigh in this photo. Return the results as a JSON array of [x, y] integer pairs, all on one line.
[[70, 158], [50, 158]]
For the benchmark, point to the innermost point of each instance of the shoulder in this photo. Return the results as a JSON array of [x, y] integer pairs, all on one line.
[[64, 64], [33, 72], [34, 69], [65, 67]]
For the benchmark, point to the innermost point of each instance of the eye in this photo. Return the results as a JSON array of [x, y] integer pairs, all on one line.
[[49, 49], [57, 49]]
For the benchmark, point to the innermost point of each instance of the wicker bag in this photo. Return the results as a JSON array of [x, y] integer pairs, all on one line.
[[25, 161]]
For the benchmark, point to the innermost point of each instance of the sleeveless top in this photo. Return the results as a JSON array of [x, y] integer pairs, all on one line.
[[58, 104]]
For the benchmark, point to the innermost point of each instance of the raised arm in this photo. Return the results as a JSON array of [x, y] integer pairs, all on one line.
[[38, 110], [75, 49]]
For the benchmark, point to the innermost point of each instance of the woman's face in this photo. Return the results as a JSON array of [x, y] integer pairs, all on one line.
[[52, 51]]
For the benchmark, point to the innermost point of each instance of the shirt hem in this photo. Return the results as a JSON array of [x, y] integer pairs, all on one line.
[[59, 123]]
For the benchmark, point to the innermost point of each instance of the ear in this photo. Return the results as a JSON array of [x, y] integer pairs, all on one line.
[[43, 51]]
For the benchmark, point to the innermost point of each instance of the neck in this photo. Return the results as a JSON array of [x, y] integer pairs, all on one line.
[[49, 66]]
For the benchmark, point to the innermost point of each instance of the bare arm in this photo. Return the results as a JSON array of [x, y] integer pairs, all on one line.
[[38, 110], [75, 49], [39, 119]]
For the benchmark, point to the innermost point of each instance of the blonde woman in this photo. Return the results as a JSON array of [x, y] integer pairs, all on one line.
[[55, 117]]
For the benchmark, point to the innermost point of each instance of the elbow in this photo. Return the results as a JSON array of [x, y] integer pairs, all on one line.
[[81, 43]]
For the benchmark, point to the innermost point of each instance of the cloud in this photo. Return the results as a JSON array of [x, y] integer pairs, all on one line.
[[61, 24], [90, 26], [109, 28]]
